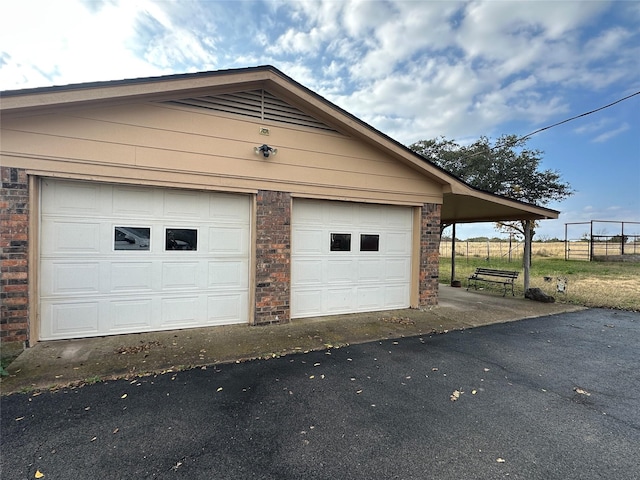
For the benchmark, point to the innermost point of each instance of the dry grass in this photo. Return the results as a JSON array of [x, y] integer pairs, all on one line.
[[502, 250], [592, 284]]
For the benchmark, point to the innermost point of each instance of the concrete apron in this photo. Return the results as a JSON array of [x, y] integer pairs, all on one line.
[[59, 363]]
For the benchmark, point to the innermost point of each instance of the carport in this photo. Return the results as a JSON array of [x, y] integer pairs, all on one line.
[[464, 204]]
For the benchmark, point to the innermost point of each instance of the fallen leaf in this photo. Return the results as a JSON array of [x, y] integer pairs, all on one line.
[[581, 391], [38, 474], [455, 395]]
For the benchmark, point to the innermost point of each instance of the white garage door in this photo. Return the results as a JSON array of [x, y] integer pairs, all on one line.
[[349, 257], [120, 259]]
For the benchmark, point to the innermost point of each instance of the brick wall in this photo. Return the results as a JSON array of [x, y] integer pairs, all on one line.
[[14, 223], [429, 260], [273, 257]]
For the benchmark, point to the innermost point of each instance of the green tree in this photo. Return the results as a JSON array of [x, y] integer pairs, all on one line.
[[505, 168]]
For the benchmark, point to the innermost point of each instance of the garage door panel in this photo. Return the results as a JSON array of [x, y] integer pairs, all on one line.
[[72, 318], [179, 275], [308, 272], [398, 218], [308, 241], [340, 300], [226, 309], [395, 296], [340, 214], [131, 277], [397, 243], [64, 237], [396, 269], [60, 197], [370, 215], [179, 312], [340, 271], [131, 315], [183, 205], [370, 298], [228, 240], [308, 302], [62, 278], [133, 202], [224, 208], [312, 214], [230, 274], [371, 270], [90, 270]]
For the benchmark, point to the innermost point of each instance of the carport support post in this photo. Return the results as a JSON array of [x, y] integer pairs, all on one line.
[[453, 253], [527, 253]]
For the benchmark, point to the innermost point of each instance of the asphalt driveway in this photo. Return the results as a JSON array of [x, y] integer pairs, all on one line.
[[545, 398]]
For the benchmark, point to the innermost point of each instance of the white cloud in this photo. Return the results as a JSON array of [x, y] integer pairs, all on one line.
[[70, 44], [608, 135]]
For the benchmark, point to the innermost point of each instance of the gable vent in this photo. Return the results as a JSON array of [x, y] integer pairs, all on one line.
[[258, 104]]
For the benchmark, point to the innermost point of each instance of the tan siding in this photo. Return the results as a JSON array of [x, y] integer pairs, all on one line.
[[167, 144]]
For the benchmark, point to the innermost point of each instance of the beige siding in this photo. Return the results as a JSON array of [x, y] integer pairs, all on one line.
[[176, 146]]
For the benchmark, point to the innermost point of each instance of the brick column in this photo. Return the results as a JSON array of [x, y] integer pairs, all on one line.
[[14, 251], [429, 254], [273, 257]]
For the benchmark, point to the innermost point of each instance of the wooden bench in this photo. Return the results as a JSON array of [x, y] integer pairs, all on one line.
[[505, 277]]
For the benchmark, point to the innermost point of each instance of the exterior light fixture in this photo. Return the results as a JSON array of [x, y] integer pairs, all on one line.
[[265, 150]]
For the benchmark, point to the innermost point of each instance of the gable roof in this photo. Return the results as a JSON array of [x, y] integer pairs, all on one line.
[[461, 202]]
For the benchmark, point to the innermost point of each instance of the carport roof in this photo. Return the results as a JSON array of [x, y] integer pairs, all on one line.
[[461, 202]]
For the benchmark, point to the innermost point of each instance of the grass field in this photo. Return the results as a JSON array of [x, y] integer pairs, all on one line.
[[503, 250], [592, 284]]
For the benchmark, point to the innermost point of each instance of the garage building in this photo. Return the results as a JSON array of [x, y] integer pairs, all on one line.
[[228, 197]]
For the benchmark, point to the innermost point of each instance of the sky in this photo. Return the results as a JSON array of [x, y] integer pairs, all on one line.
[[414, 70]]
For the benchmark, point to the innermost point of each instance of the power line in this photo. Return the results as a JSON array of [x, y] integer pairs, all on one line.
[[519, 139], [577, 116]]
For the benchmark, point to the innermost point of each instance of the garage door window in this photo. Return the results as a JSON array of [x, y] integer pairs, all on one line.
[[369, 243], [181, 239], [340, 242], [131, 238]]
